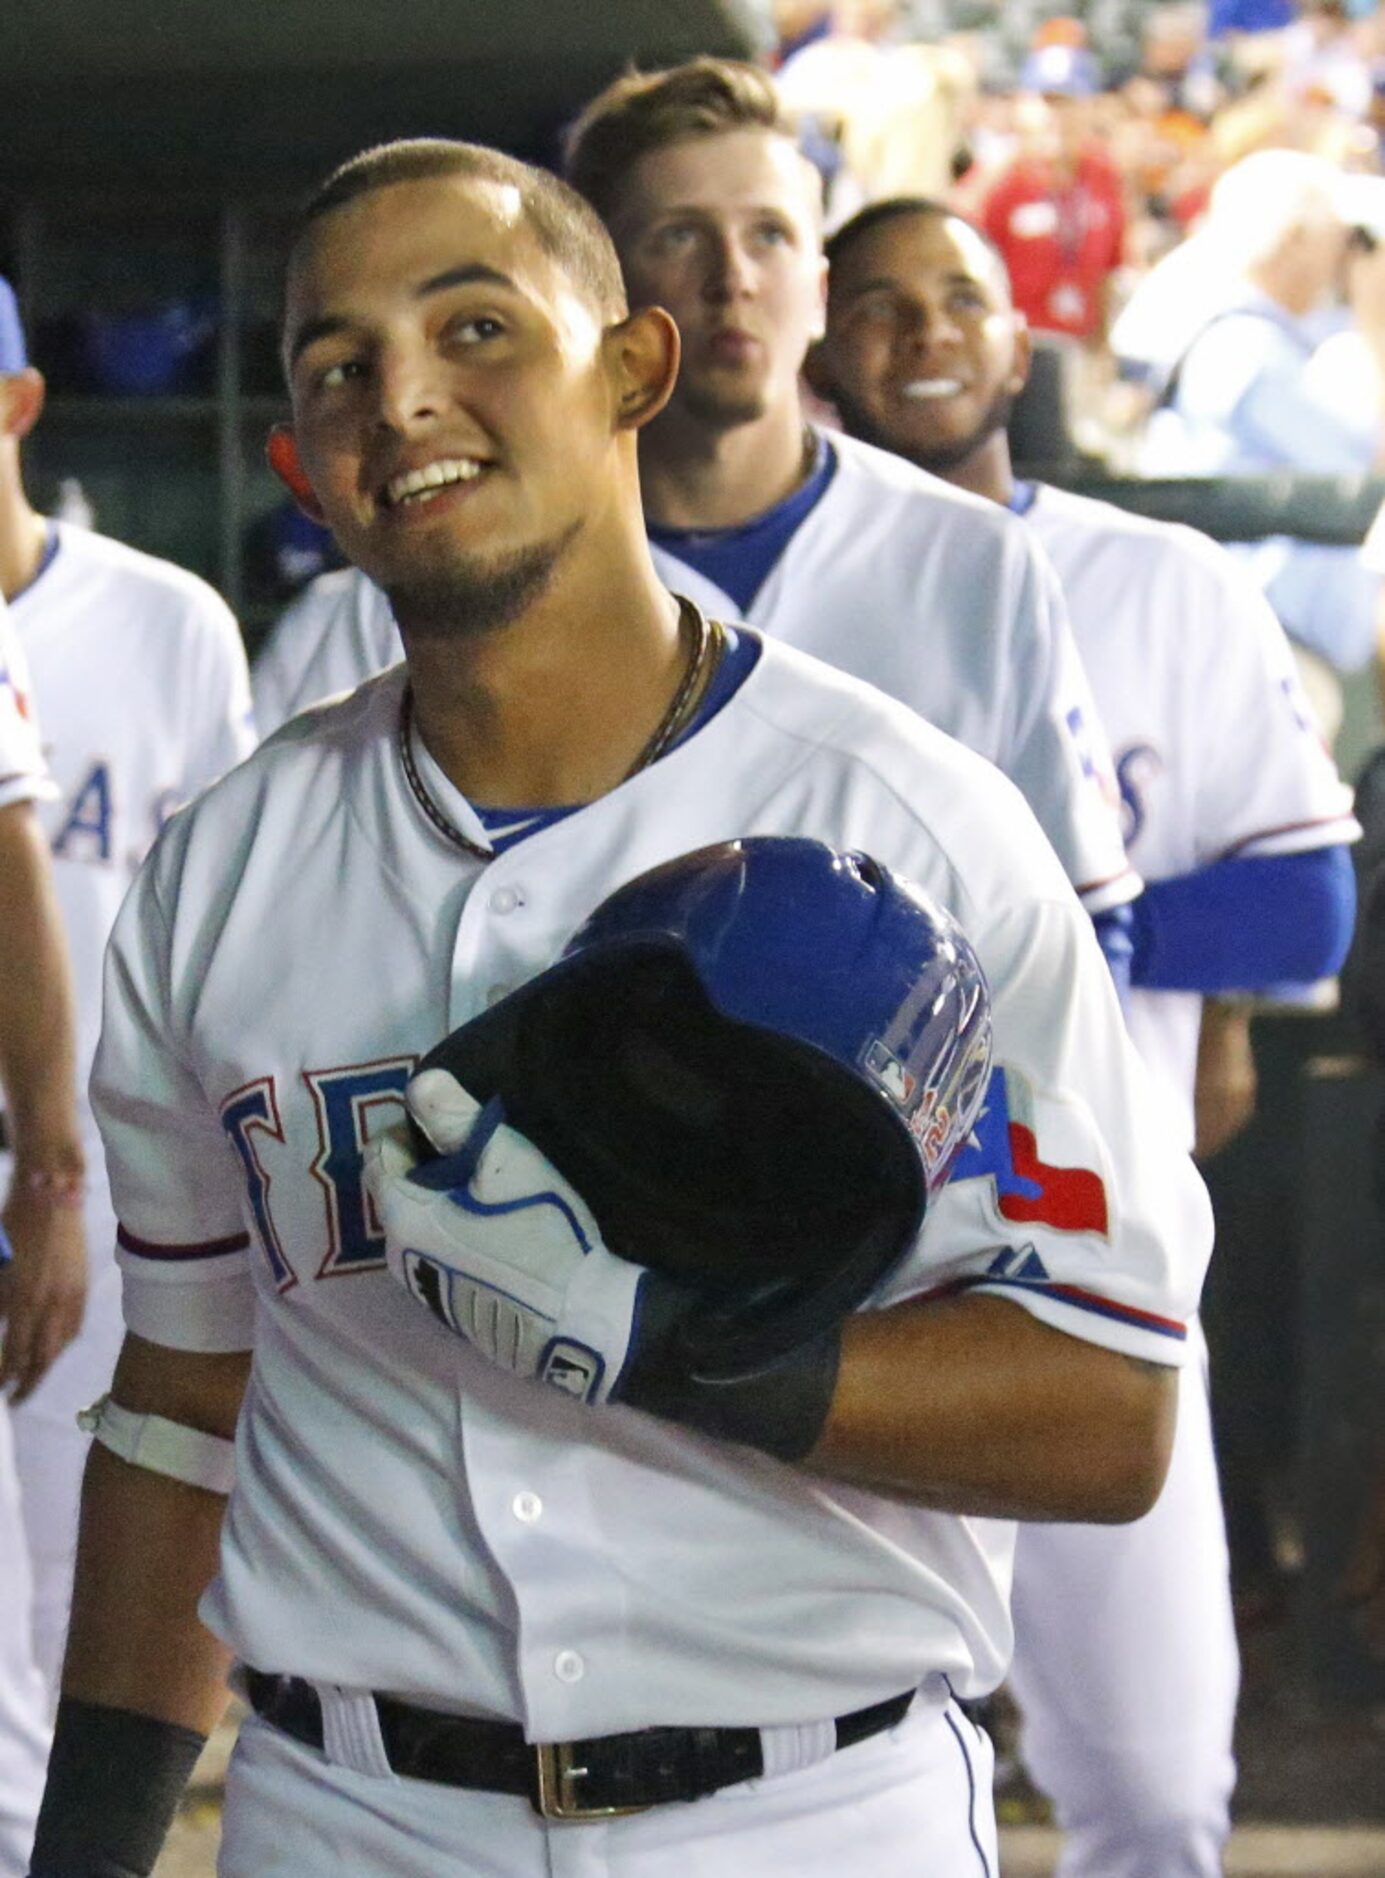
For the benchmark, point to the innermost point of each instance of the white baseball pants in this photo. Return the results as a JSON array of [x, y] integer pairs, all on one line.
[[912, 1800], [1126, 1671]]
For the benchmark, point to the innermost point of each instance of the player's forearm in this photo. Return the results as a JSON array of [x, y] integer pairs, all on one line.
[[37, 1048], [147, 1550], [971, 1405]]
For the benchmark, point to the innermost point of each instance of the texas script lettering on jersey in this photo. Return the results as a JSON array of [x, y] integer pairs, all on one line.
[[350, 1104]]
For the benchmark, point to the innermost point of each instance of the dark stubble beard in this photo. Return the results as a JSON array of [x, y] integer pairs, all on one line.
[[946, 456], [476, 595]]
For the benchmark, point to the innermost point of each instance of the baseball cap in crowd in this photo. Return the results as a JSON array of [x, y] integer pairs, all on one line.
[[13, 357], [1061, 71]]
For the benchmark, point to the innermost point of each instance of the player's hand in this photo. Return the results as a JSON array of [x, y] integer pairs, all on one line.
[[496, 1244], [1225, 1090], [1363, 1582], [43, 1290], [491, 1239]]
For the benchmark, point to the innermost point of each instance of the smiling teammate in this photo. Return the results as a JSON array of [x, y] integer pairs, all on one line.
[[427, 1561], [1125, 1659]]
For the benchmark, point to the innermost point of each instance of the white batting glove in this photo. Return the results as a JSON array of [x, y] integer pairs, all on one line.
[[494, 1242]]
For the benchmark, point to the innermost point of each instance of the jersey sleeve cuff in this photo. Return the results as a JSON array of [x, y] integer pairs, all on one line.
[[1095, 1318], [26, 786], [198, 1297], [1100, 896], [1337, 831]]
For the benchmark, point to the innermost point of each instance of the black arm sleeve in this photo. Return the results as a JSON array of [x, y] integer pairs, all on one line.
[[114, 1782]]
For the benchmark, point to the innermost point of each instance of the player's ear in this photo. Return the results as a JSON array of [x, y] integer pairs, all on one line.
[[1024, 355], [21, 402], [643, 352], [281, 449]]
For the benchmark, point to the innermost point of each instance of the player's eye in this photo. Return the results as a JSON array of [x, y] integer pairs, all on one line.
[[773, 234], [339, 373], [876, 310], [475, 329], [674, 238]]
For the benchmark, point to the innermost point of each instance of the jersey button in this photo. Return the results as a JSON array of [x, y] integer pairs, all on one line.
[[568, 1666], [527, 1507], [506, 899]]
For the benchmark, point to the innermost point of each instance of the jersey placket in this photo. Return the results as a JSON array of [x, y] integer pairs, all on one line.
[[528, 1493]]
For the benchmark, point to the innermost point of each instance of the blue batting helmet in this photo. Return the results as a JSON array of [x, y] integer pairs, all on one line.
[[754, 1063]]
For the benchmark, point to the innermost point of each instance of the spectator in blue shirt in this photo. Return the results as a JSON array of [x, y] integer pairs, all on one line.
[[1244, 398]]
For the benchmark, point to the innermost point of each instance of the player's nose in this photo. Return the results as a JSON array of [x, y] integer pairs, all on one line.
[[409, 389], [730, 270], [931, 330]]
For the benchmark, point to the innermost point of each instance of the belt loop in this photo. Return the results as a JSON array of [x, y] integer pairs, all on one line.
[[351, 1734], [789, 1748]]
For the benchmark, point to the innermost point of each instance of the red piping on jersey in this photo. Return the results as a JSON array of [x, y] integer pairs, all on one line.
[[1072, 1295], [1288, 828], [200, 1249]]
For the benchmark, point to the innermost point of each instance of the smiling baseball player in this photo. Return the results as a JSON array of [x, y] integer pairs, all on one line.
[[432, 1560], [832, 546], [1125, 1663]]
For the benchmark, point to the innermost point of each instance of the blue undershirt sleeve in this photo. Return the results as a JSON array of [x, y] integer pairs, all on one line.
[[1114, 933], [1244, 924]]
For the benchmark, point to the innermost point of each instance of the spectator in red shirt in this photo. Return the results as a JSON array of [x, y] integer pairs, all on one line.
[[1057, 214]]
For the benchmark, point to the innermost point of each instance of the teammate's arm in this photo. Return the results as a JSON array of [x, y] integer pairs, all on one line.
[[1245, 922], [42, 1294]]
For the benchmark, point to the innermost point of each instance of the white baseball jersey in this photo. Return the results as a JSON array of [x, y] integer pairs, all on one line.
[[23, 774], [408, 1517], [338, 632], [933, 595], [938, 598], [1215, 746], [141, 680]]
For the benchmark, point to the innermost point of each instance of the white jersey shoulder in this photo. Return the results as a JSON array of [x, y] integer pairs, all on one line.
[[942, 601], [337, 632]]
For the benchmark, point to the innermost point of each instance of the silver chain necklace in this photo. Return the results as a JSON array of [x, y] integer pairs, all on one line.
[[709, 642]]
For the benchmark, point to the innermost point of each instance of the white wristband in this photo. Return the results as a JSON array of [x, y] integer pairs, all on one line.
[[163, 1447]]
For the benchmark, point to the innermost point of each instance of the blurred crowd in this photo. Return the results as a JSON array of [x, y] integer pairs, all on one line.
[[1140, 107], [1186, 196]]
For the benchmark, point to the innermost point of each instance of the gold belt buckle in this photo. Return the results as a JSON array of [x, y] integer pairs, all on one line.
[[558, 1776]]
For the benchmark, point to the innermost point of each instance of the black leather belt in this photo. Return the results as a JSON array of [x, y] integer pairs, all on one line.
[[596, 1779]]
